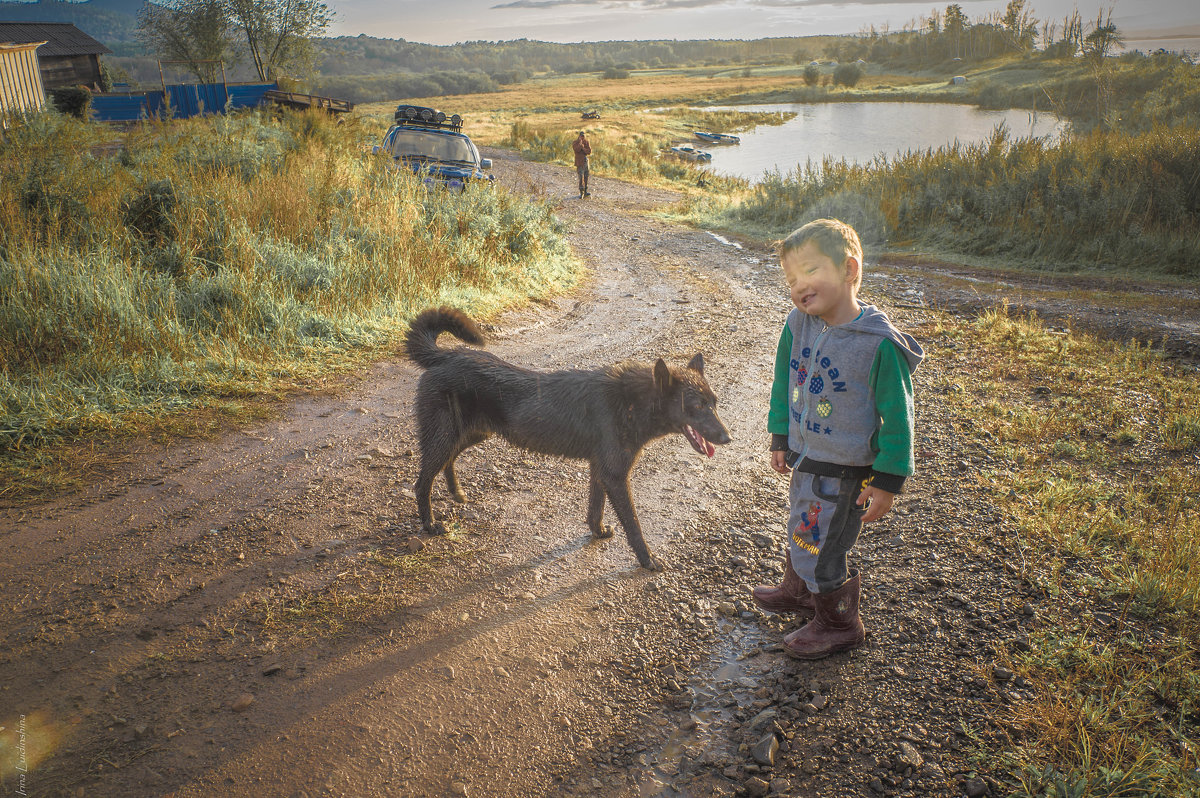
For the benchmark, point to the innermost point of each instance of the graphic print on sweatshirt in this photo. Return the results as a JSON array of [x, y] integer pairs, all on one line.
[[822, 381]]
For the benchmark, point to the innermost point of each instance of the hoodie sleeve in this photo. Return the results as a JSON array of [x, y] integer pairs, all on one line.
[[891, 382], [777, 415]]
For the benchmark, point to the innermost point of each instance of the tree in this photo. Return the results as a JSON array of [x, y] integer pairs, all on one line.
[[1103, 39], [954, 25], [1020, 27], [1072, 39], [278, 33], [193, 31]]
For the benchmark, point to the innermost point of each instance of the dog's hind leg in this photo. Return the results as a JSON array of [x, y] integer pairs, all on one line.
[[451, 479], [617, 487], [439, 438], [595, 512]]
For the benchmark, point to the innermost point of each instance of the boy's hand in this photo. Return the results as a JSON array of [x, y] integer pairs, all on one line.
[[779, 462], [877, 502]]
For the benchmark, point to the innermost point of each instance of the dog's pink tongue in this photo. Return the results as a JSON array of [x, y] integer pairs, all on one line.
[[709, 449]]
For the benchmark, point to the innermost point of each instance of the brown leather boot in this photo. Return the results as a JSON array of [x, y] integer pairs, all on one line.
[[792, 595], [835, 626]]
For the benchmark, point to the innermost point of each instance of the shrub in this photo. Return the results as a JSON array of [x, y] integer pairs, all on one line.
[[149, 214], [73, 101], [812, 75], [615, 73], [847, 75]]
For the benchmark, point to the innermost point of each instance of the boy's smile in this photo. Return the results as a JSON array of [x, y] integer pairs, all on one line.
[[820, 287]]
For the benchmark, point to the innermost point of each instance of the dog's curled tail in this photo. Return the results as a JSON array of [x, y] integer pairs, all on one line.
[[421, 342]]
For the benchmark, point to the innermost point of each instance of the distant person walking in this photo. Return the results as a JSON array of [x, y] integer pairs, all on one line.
[[583, 149]]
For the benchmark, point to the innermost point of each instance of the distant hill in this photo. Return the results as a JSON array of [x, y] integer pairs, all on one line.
[[357, 63], [367, 55]]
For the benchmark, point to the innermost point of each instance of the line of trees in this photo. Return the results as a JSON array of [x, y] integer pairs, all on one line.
[[950, 34], [274, 35], [367, 55]]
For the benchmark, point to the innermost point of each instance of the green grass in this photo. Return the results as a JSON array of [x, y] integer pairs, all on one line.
[[226, 258], [1099, 450]]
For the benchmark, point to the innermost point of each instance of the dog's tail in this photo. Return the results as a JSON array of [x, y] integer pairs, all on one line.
[[421, 342]]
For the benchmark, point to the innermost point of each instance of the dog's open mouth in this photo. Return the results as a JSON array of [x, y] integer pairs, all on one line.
[[698, 442]]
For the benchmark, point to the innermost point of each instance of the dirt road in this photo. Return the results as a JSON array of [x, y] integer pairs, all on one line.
[[258, 614]]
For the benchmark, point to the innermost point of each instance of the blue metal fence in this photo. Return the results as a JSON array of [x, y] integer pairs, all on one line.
[[185, 100]]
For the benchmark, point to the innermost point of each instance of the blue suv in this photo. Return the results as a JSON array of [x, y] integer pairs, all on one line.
[[433, 144]]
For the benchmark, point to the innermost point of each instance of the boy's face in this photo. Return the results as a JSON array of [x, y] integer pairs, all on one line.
[[820, 287]]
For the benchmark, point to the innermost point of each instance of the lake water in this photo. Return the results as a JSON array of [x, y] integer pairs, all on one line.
[[859, 132]]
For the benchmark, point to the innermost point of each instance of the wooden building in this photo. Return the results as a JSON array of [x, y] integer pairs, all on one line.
[[20, 81], [69, 56]]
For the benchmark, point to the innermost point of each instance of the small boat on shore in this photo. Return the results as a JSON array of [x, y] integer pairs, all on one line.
[[691, 154], [717, 138]]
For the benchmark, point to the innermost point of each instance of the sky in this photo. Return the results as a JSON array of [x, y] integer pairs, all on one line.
[[450, 21]]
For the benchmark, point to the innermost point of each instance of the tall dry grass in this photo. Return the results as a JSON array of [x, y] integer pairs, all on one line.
[[1102, 201], [227, 256]]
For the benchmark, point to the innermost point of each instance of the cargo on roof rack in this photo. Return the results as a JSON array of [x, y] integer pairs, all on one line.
[[419, 115]]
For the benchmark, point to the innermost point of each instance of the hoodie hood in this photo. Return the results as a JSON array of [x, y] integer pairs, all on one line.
[[873, 320]]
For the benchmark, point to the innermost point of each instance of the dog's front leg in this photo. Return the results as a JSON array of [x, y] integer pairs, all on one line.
[[595, 511], [622, 502]]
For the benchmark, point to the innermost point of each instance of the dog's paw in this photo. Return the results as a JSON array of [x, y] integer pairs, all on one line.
[[652, 563], [602, 532], [436, 528], [459, 497]]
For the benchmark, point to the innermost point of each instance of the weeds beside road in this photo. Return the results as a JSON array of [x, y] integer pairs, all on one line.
[[215, 260]]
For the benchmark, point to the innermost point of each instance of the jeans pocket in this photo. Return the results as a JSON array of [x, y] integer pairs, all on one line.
[[827, 488]]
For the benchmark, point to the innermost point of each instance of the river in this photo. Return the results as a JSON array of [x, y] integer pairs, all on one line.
[[859, 132]]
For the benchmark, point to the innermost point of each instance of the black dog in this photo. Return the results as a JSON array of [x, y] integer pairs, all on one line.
[[604, 416]]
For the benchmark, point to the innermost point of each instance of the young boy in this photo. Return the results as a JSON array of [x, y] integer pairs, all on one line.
[[842, 416]]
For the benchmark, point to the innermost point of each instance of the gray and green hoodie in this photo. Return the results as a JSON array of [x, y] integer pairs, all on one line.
[[843, 396]]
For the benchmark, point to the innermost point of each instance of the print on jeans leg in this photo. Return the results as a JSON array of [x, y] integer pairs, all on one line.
[[809, 526]]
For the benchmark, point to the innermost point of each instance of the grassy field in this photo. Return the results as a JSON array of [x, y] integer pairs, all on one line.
[[641, 118], [1095, 450], [1100, 201], [217, 261]]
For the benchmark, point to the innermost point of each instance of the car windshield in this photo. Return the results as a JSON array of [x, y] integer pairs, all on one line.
[[433, 146]]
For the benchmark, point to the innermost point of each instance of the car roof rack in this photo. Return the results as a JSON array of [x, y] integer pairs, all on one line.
[[420, 116]]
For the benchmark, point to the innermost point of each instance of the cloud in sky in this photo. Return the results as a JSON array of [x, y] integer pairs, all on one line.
[[449, 21], [653, 5]]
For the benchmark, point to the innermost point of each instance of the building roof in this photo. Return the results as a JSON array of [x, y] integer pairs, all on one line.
[[61, 38]]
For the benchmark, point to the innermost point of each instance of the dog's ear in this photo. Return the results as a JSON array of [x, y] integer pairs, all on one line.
[[697, 363], [663, 379]]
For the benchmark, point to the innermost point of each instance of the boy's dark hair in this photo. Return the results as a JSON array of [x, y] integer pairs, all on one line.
[[836, 240]]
